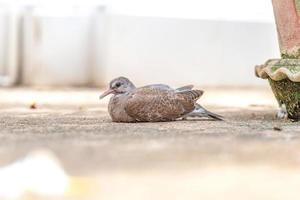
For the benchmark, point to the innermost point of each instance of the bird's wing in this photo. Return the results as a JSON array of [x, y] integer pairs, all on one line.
[[158, 86], [166, 87], [158, 104], [188, 98], [187, 87]]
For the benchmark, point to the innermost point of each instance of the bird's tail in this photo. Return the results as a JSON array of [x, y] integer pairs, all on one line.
[[202, 112], [214, 115]]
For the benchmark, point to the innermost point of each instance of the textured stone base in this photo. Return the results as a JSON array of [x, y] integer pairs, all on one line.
[[287, 92]]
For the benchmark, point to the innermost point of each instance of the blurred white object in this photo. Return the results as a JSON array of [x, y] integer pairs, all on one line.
[[40, 173], [229, 10], [9, 37], [59, 45], [71, 43]]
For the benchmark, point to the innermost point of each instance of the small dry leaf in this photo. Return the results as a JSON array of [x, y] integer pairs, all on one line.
[[33, 106], [277, 128]]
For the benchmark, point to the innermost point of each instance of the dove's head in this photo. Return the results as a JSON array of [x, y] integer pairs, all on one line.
[[118, 85]]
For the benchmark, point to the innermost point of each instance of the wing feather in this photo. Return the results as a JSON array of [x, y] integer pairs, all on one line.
[[158, 104], [186, 87], [153, 104]]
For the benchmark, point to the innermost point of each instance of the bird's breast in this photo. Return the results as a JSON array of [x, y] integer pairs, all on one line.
[[116, 109]]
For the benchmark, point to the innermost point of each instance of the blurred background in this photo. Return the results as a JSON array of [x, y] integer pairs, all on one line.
[[89, 42], [57, 140]]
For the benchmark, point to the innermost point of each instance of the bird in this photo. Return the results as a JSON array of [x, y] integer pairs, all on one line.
[[153, 103]]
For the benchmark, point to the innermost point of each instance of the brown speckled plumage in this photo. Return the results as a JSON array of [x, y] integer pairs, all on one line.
[[155, 104], [152, 103]]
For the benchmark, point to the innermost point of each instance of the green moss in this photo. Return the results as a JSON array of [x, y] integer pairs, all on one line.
[[293, 69], [288, 93], [292, 64], [291, 55]]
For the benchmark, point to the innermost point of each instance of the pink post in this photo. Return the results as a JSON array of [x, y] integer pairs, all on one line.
[[284, 74], [288, 26]]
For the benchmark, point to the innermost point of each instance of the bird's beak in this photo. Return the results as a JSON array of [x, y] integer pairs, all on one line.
[[107, 92]]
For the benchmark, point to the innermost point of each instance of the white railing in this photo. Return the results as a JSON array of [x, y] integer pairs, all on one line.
[[59, 49], [9, 46]]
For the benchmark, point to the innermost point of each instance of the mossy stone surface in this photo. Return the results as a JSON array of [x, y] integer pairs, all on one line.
[[287, 92], [291, 55], [291, 64]]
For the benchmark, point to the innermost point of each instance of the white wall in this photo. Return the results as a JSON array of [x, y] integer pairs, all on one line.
[[174, 41], [59, 50], [59, 53], [225, 10], [3, 39], [9, 32], [181, 51]]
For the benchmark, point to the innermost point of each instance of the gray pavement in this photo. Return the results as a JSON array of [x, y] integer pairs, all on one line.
[[75, 126]]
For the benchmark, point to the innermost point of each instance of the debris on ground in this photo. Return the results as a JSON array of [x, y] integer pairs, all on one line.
[[33, 106], [277, 128]]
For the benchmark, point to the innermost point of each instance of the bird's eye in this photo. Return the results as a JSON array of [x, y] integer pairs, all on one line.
[[118, 84]]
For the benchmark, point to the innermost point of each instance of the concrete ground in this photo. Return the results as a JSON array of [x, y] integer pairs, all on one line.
[[249, 155]]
